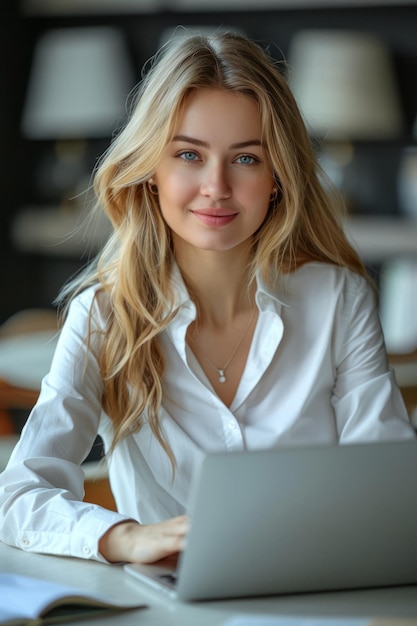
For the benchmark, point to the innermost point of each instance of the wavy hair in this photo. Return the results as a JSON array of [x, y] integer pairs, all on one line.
[[303, 224]]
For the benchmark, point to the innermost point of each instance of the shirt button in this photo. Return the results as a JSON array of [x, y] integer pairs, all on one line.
[[86, 550], [25, 541], [232, 425]]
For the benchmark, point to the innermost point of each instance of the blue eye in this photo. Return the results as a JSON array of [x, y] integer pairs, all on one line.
[[246, 159], [188, 155]]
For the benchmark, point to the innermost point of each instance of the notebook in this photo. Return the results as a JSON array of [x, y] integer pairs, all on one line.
[[296, 520]]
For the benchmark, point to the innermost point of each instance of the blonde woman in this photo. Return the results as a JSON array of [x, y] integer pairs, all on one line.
[[226, 312]]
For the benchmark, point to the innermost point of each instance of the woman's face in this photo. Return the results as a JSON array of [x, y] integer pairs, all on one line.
[[215, 180]]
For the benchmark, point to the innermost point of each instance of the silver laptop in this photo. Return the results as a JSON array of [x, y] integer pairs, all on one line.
[[297, 520]]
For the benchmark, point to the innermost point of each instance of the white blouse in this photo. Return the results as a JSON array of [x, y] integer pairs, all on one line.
[[316, 373]]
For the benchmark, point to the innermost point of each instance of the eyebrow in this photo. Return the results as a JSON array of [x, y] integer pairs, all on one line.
[[205, 144]]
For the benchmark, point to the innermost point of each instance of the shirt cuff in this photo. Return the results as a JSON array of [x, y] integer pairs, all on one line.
[[94, 523]]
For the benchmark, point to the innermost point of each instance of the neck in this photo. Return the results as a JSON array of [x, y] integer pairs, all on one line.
[[218, 284]]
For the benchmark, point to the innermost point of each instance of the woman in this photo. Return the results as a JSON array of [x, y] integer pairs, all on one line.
[[226, 312]]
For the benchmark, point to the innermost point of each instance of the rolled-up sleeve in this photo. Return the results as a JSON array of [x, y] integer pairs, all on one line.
[[42, 487], [367, 401]]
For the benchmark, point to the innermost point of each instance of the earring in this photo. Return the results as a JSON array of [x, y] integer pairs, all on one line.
[[153, 189], [274, 195]]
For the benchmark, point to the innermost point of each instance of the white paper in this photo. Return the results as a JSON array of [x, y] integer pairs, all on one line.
[[267, 620]]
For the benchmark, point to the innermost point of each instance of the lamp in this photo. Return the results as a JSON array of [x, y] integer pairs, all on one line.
[[344, 84], [78, 84], [77, 90]]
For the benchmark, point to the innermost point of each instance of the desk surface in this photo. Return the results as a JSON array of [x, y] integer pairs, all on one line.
[[113, 582]]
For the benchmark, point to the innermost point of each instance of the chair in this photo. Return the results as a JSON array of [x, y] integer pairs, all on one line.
[[405, 367], [27, 342]]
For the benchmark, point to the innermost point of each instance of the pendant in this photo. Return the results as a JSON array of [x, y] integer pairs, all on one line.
[[222, 377]]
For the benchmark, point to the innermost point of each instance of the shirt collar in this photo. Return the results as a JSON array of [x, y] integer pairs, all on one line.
[[181, 295], [275, 295]]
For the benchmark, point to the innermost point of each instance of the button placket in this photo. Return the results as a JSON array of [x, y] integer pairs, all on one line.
[[231, 429], [267, 338]]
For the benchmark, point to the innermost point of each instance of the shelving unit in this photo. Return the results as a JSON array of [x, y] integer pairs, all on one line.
[[380, 239], [38, 264]]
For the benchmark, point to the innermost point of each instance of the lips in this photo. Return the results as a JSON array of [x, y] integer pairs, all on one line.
[[215, 217]]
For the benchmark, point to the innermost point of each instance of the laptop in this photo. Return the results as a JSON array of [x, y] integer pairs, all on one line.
[[296, 520]]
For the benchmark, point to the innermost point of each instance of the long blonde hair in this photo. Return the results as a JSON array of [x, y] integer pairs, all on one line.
[[303, 224]]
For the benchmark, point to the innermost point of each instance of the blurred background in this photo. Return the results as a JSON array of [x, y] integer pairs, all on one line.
[[67, 68], [69, 65]]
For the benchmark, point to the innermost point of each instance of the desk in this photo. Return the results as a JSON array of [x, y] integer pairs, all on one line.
[[115, 584]]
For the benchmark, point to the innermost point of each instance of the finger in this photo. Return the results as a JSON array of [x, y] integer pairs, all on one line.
[[157, 541], [155, 550]]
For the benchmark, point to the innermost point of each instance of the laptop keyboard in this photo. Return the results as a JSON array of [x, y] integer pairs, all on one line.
[[168, 579]]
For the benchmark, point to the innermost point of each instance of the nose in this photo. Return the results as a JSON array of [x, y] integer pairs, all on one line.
[[215, 183]]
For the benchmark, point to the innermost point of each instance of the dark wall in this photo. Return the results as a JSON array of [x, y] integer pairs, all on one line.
[[33, 280]]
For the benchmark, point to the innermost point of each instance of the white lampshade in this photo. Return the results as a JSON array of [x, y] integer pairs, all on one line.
[[78, 85], [344, 84]]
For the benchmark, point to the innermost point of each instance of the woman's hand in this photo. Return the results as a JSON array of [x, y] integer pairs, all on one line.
[[135, 543]]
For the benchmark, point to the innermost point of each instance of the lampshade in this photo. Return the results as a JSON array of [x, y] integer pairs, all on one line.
[[78, 85], [345, 85]]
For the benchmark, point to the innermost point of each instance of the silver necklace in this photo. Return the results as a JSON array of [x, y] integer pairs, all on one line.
[[221, 371]]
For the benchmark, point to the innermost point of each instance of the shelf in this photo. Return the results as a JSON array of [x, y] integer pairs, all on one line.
[[378, 239], [53, 232], [120, 7]]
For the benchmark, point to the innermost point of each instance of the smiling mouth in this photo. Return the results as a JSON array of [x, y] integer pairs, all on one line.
[[215, 217]]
